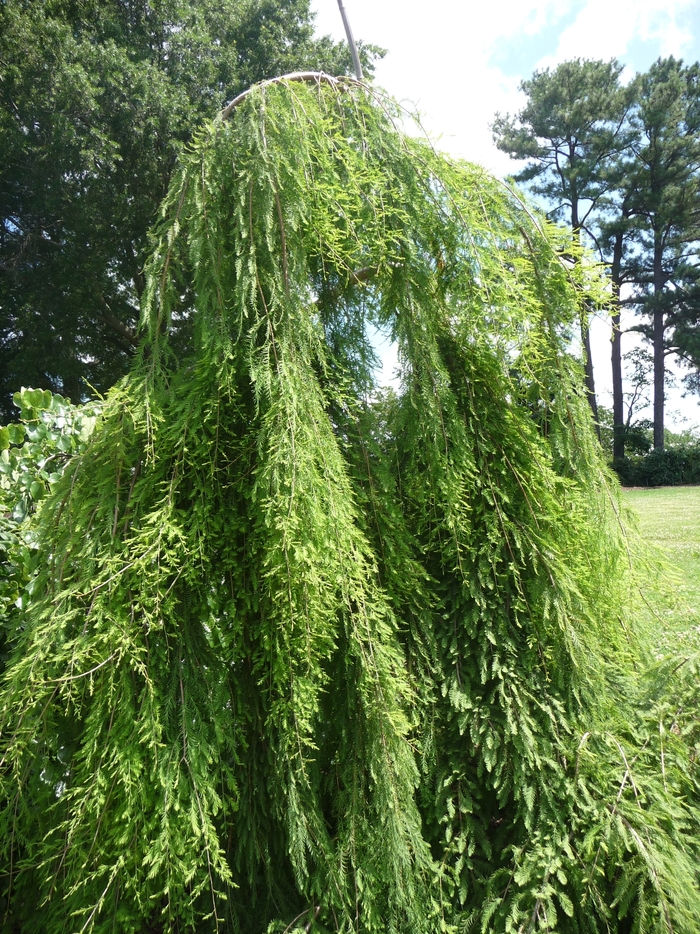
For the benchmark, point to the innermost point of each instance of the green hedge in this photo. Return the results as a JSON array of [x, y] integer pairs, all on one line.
[[671, 467]]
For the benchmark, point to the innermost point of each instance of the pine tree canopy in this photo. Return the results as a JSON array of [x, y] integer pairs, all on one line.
[[304, 654]]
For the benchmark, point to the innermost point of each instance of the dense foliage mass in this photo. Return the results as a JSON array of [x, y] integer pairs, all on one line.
[[306, 655], [676, 465]]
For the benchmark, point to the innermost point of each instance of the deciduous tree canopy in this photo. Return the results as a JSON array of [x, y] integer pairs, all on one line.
[[96, 101]]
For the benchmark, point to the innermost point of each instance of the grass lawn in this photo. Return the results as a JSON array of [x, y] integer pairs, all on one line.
[[669, 518]]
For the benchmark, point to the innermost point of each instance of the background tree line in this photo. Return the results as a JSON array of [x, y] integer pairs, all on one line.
[[621, 164], [97, 98]]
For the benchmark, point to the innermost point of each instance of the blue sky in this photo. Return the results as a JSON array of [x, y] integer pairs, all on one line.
[[518, 56], [459, 63]]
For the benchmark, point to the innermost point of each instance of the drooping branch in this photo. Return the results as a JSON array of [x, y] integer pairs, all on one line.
[[283, 586], [317, 77]]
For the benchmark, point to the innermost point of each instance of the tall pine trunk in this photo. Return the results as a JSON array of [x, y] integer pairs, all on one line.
[[588, 369], [585, 330], [616, 353], [659, 358]]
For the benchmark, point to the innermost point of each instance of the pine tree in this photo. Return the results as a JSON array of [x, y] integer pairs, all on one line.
[[665, 185], [302, 654], [572, 128]]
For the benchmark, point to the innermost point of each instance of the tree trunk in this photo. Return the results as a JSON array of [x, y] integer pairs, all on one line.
[[585, 333], [588, 368], [616, 353], [73, 388], [659, 358]]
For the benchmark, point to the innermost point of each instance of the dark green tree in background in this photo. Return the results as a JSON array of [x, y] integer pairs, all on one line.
[[97, 99]]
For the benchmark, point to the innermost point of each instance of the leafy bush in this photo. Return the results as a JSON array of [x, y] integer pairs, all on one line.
[[672, 466], [33, 455]]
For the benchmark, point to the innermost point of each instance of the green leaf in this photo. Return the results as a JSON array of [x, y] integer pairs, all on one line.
[[37, 490]]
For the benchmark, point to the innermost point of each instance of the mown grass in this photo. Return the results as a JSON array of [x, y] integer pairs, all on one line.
[[669, 519]]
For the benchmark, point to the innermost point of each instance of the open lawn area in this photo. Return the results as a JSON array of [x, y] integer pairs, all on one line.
[[669, 519]]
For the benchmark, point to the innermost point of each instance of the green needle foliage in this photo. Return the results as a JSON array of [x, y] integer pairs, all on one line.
[[305, 655]]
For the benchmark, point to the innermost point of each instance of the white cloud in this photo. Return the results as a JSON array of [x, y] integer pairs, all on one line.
[[438, 61], [443, 59], [607, 28]]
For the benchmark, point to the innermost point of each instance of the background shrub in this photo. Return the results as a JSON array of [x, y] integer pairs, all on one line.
[[672, 466]]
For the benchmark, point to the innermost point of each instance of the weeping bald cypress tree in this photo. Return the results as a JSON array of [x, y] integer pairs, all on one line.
[[304, 654]]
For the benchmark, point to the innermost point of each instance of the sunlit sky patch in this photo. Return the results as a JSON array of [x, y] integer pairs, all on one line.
[[459, 63], [518, 55]]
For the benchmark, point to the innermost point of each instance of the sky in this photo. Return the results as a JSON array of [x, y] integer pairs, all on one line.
[[459, 63]]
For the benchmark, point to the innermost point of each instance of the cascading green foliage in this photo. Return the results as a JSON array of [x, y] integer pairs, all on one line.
[[305, 654]]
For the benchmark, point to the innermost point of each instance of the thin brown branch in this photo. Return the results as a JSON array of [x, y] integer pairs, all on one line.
[[111, 320]]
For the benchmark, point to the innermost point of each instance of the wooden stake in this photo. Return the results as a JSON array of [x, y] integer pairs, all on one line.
[[351, 42]]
